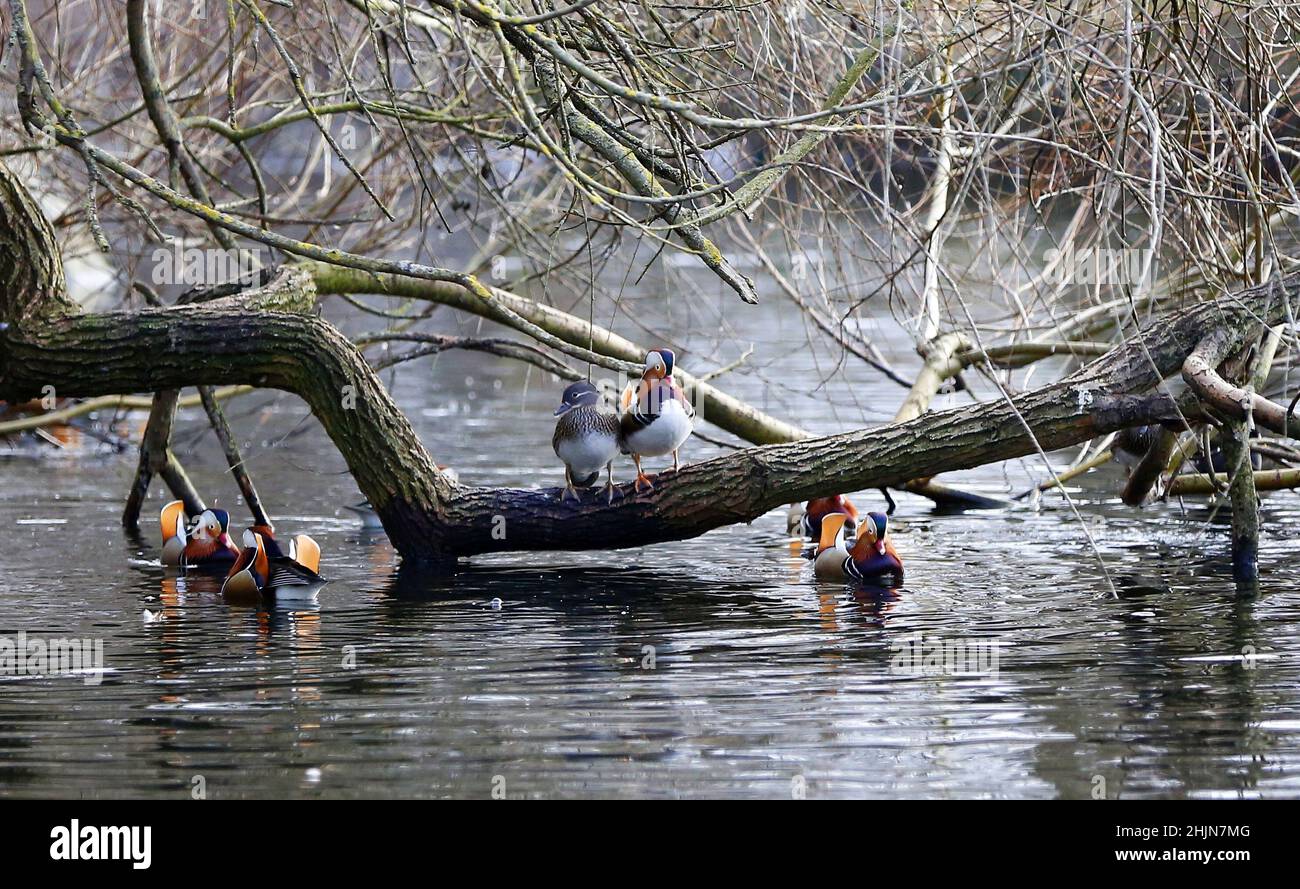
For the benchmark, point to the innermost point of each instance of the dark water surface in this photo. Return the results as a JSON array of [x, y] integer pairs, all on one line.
[[713, 667]]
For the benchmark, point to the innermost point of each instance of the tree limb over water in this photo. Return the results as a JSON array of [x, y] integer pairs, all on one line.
[[266, 337]]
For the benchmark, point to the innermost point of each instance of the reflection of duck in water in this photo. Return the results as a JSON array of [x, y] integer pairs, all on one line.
[[205, 543], [370, 518], [874, 603], [872, 558], [263, 569]]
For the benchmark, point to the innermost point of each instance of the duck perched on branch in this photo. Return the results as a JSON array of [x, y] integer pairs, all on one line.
[[587, 438], [657, 415]]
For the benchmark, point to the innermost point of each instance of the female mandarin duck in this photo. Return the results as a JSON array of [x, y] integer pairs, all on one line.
[[657, 416], [818, 509], [871, 559], [587, 439], [205, 543], [263, 569]]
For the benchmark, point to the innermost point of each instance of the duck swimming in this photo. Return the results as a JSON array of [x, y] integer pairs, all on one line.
[[263, 569], [832, 547], [175, 532], [819, 508], [587, 438], [657, 416], [871, 559], [205, 543]]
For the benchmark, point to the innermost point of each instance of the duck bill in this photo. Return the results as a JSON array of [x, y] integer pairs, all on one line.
[[563, 409]]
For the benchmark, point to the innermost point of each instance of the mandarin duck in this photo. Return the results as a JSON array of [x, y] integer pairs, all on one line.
[[205, 543], [832, 547], [871, 559], [587, 438], [657, 416], [264, 569], [817, 509]]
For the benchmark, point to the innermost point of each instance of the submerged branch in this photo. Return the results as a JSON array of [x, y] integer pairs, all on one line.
[[1206, 486]]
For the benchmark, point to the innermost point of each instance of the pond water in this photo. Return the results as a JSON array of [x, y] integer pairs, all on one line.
[[712, 667]]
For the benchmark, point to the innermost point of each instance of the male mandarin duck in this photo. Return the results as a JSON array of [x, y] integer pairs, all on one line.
[[657, 416], [587, 438], [819, 508], [263, 569], [871, 559], [205, 543], [175, 532], [832, 547]]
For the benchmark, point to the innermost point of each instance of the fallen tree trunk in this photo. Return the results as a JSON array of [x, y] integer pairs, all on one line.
[[718, 407], [264, 338]]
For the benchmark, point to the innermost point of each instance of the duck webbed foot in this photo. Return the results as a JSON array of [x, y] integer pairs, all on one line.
[[569, 489], [610, 490], [641, 477], [676, 465]]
